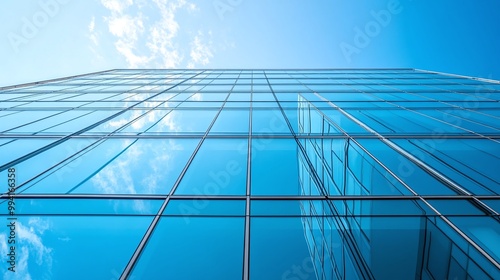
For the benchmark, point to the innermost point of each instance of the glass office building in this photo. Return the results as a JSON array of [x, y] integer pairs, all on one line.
[[251, 174]]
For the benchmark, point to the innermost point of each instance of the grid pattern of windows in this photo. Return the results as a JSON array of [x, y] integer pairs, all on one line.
[[251, 174]]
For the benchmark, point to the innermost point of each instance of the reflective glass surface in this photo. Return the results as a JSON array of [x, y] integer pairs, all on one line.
[[251, 174]]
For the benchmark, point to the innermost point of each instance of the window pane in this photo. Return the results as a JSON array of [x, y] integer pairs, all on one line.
[[55, 247], [275, 167], [200, 248], [223, 174]]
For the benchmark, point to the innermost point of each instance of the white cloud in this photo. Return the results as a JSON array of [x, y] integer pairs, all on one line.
[[31, 236], [92, 34], [192, 7], [201, 52], [29, 245], [153, 41], [117, 6], [128, 51], [196, 97], [134, 172], [92, 25]]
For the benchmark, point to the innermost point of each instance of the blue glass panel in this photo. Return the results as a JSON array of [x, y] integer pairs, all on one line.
[[77, 247], [485, 231], [200, 248], [455, 207], [120, 166], [108, 105], [89, 206], [275, 167], [269, 121], [65, 123], [14, 120], [238, 104], [276, 207], [72, 125], [11, 149], [414, 176], [223, 174], [278, 249], [146, 119], [233, 121], [185, 121], [205, 207], [493, 203], [263, 96], [239, 96], [199, 97], [471, 163], [365, 176]]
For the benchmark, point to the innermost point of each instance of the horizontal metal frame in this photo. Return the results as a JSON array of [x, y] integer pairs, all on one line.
[[243, 197], [251, 216], [245, 136], [69, 90]]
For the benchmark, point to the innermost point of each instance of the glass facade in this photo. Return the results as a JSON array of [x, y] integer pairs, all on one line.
[[251, 174]]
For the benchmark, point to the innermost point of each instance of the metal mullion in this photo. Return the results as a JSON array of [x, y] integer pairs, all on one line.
[[246, 242], [255, 197]]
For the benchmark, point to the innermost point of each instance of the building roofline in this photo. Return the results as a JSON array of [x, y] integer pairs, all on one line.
[[239, 69], [51, 80], [184, 69], [459, 76], [263, 69]]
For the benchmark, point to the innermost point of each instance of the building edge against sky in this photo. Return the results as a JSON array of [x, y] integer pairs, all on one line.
[[251, 174]]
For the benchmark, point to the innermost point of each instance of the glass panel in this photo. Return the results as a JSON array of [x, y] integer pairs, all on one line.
[[185, 121], [147, 166], [223, 174], [278, 249], [199, 248], [275, 167], [204, 207], [485, 231], [56, 247], [12, 149], [416, 178], [79, 206], [470, 163], [454, 207], [268, 122], [12, 121], [231, 121]]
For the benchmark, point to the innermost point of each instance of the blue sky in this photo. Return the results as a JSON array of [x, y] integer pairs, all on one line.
[[54, 38]]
